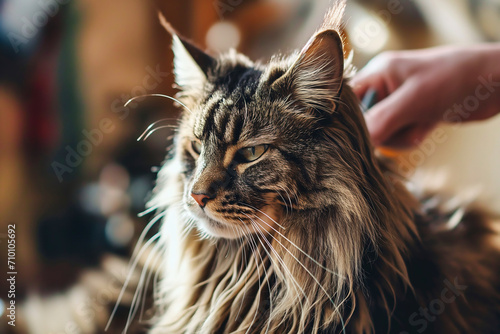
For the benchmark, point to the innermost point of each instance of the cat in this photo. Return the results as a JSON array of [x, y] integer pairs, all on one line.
[[279, 216]]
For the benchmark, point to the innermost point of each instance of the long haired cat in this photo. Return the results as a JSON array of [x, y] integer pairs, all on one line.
[[278, 216]]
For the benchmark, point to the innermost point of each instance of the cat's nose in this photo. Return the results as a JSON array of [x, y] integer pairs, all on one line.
[[201, 199]]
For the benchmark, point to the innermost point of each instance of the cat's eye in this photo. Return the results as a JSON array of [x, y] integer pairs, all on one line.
[[196, 146], [253, 153]]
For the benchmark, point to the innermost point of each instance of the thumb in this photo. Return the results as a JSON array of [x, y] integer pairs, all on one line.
[[371, 76], [392, 114], [362, 82]]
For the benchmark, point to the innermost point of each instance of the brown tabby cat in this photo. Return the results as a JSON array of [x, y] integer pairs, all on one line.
[[278, 216]]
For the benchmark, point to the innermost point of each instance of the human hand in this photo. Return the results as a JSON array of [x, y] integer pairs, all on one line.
[[418, 89]]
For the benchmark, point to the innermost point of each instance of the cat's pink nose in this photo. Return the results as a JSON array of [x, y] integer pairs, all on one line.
[[201, 199]]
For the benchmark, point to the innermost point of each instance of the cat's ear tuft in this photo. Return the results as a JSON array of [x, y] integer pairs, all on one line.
[[191, 64], [315, 78]]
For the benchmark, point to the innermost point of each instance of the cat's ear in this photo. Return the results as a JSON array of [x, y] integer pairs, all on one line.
[[315, 78], [191, 64]]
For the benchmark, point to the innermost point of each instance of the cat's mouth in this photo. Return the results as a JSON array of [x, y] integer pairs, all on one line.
[[237, 222], [220, 226], [218, 229]]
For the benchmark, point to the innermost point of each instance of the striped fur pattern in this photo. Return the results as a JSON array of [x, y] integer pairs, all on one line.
[[311, 236]]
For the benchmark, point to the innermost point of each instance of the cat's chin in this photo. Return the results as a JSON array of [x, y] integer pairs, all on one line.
[[263, 223], [212, 225], [217, 229]]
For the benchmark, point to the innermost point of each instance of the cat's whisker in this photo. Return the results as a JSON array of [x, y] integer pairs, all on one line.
[[191, 223], [135, 303], [156, 129], [245, 261], [152, 125], [295, 194], [129, 276], [298, 248], [270, 234], [280, 260], [155, 285], [295, 285], [152, 270], [140, 289], [265, 272], [312, 276], [293, 244], [147, 211], [252, 242], [288, 195], [307, 270], [265, 214], [245, 288], [145, 232], [284, 201], [157, 95]]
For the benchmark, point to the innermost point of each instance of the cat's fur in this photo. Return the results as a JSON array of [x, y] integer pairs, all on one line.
[[312, 237]]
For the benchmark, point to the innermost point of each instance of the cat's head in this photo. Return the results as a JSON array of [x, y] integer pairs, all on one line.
[[258, 139]]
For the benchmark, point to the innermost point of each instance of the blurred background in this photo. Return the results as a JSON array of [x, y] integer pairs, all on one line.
[[73, 177]]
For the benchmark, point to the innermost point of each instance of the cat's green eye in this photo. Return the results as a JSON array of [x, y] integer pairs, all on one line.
[[196, 146], [253, 153]]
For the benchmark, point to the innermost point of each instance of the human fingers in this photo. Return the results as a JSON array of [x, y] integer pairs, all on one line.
[[398, 110]]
